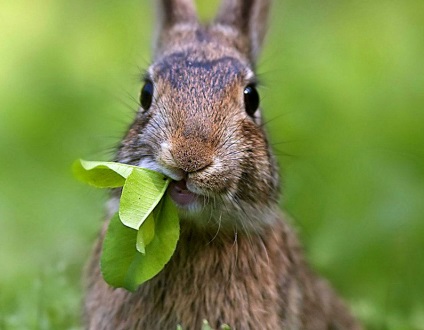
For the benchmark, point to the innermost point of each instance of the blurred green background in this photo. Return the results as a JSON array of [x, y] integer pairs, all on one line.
[[343, 92]]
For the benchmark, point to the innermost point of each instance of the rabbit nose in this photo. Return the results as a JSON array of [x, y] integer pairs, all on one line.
[[192, 155]]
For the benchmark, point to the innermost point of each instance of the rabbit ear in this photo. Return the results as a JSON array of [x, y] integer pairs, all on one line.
[[249, 18], [170, 14]]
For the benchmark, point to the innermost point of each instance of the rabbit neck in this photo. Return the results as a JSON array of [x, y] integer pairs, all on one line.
[[239, 273]]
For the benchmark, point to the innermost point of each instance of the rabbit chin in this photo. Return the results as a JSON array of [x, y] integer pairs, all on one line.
[[220, 214]]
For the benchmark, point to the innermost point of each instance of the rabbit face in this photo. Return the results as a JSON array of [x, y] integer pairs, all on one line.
[[199, 123], [197, 131]]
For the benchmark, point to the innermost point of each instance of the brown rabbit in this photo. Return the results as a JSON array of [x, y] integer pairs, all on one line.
[[237, 261]]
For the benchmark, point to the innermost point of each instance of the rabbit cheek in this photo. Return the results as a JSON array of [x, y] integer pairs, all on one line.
[[254, 187], [131, 151], [256, 181]]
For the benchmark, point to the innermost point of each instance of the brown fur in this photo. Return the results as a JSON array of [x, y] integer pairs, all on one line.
[[248, 282], [237, 261]]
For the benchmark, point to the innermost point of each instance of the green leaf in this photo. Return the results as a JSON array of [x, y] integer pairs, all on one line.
[[160, 249], [118, 252], [102, 174], [122, 265], [145, 234], [206, 326], [142, 191]]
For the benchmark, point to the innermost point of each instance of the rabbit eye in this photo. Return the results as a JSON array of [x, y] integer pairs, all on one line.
[[251, 99], [146, 95]]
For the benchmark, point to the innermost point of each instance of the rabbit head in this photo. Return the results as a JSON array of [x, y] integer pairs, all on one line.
[[199, 121]]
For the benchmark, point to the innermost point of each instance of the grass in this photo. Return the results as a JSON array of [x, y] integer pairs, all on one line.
[[342, 90]]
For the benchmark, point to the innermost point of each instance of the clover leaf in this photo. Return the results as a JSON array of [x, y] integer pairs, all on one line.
[[142, 237], [122, 265], [142, 191], [102, 174]]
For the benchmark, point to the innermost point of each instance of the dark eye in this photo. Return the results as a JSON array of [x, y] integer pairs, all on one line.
[[146, 95], [251, 100]]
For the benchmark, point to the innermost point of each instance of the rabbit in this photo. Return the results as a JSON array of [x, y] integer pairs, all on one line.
[[237, 261]]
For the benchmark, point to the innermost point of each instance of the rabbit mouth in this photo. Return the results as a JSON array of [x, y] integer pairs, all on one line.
[[181, 195]]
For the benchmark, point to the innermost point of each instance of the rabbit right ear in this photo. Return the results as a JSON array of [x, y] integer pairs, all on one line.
[[249, 18], [170, 14]]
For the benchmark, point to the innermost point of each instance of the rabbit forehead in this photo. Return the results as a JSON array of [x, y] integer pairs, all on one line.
[[201, 70]]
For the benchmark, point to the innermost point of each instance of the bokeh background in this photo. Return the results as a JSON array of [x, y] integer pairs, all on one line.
[[343, 93]]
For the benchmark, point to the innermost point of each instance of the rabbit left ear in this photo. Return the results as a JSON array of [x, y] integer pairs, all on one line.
[[249, 18], [170, 14]]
